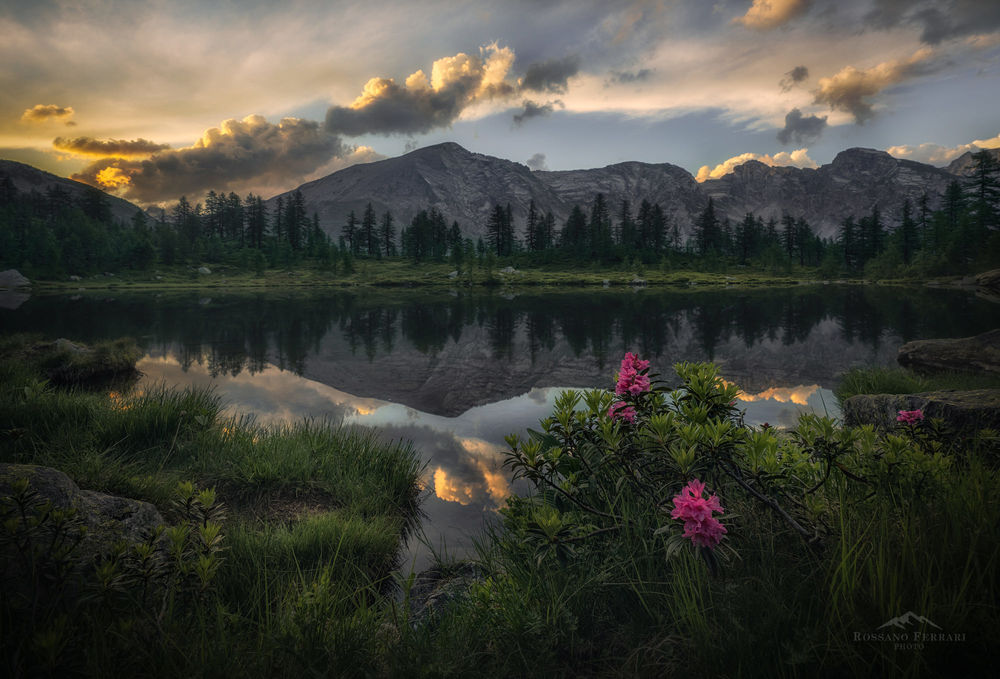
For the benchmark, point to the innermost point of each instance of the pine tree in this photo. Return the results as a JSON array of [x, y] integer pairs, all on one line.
[[369, 237], [907, 232], [387, 235]]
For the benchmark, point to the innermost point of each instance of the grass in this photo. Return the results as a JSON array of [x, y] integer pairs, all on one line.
[[404, 273], [894, 380], [313, 521]]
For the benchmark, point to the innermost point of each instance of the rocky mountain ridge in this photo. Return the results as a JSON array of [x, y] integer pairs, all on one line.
[[465, 186]]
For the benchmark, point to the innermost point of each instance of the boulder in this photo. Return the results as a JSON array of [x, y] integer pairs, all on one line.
[[968, 354], [964, 410], [204, 270], [435, 588], [989, 280], [108, 519], [11, 279]]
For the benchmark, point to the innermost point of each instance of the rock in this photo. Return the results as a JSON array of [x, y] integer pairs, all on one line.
[[967, 354], [640, 282], [11, 279], [108, 519], [508, 270], [12, 300], [989, 280], [204, 270], [75, 278], [965, 410], [453, 274], [606, 283], [435, 588]]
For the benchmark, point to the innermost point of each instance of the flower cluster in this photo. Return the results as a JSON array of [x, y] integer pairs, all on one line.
[[696, 513], [622, 410], [630, 379], [910, 416]]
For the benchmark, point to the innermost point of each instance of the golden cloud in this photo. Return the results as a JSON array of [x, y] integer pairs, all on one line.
[[850, 89], [421, 104], [767, 14], [936, 154], [797, 158], [41, 113]]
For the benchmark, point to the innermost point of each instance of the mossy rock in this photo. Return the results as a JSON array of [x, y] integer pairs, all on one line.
[[964, 410], [106, 519], [968, 354], [65, 362]]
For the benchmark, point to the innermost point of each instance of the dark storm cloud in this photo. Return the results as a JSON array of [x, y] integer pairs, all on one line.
[[938, 21], [537, 162], [801, 129], [550, 76], [626, 77], [793, 77], [245, 151], [122, 148], [534, 110]]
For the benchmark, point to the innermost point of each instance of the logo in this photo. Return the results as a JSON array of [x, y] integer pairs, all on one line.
[[907, 619], [909, 632]]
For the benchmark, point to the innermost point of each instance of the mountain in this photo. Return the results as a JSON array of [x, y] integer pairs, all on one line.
[[963, 165], [465, 186], [856, 180], [27, 179]]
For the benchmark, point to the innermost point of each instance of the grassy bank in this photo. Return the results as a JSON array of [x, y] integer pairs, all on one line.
[[896, 380], [403, 273], [311, 519]]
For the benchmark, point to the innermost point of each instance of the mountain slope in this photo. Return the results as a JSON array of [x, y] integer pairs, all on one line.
[[856, 180], [27, 179], [465, 186]]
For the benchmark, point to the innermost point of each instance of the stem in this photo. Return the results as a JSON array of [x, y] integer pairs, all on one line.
[[770, 503]]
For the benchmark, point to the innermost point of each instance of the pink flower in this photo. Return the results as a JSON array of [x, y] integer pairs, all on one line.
[[630, 381], [623, 410], [696, 512], [910, 416]]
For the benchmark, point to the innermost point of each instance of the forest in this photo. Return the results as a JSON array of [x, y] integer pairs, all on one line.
[[55, 234]]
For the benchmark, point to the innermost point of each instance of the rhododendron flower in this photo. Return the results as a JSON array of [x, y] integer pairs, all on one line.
[[623, 410], [696, 512], [629, 379], [910, 416]]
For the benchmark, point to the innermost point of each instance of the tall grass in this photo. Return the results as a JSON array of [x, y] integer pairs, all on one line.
[[894, 380], [316, 519]]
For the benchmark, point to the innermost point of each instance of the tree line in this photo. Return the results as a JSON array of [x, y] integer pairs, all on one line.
[[58, 233]]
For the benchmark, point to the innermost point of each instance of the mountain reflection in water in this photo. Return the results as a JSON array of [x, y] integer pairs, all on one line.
[[463, 477]]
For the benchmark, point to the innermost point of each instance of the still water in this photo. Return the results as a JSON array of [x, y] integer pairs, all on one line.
[[455, 372]]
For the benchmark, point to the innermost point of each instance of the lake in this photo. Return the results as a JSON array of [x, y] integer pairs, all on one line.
[[455, 371]]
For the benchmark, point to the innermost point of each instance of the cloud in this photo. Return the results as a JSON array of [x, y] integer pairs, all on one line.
[[793, 77], [802, 129], [537, 162], [240, 153], [103, 148], [767, 14], [936, 154], [534, 110], [421, 105], [41, 113], [936, 21], [850, 89], [625, 77], [550, 76], [797, 158]]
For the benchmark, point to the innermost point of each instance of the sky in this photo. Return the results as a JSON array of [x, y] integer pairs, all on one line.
[[157, 99]]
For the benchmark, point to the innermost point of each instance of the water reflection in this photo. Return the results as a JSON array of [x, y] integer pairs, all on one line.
[[455, 373], [463, 455]]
